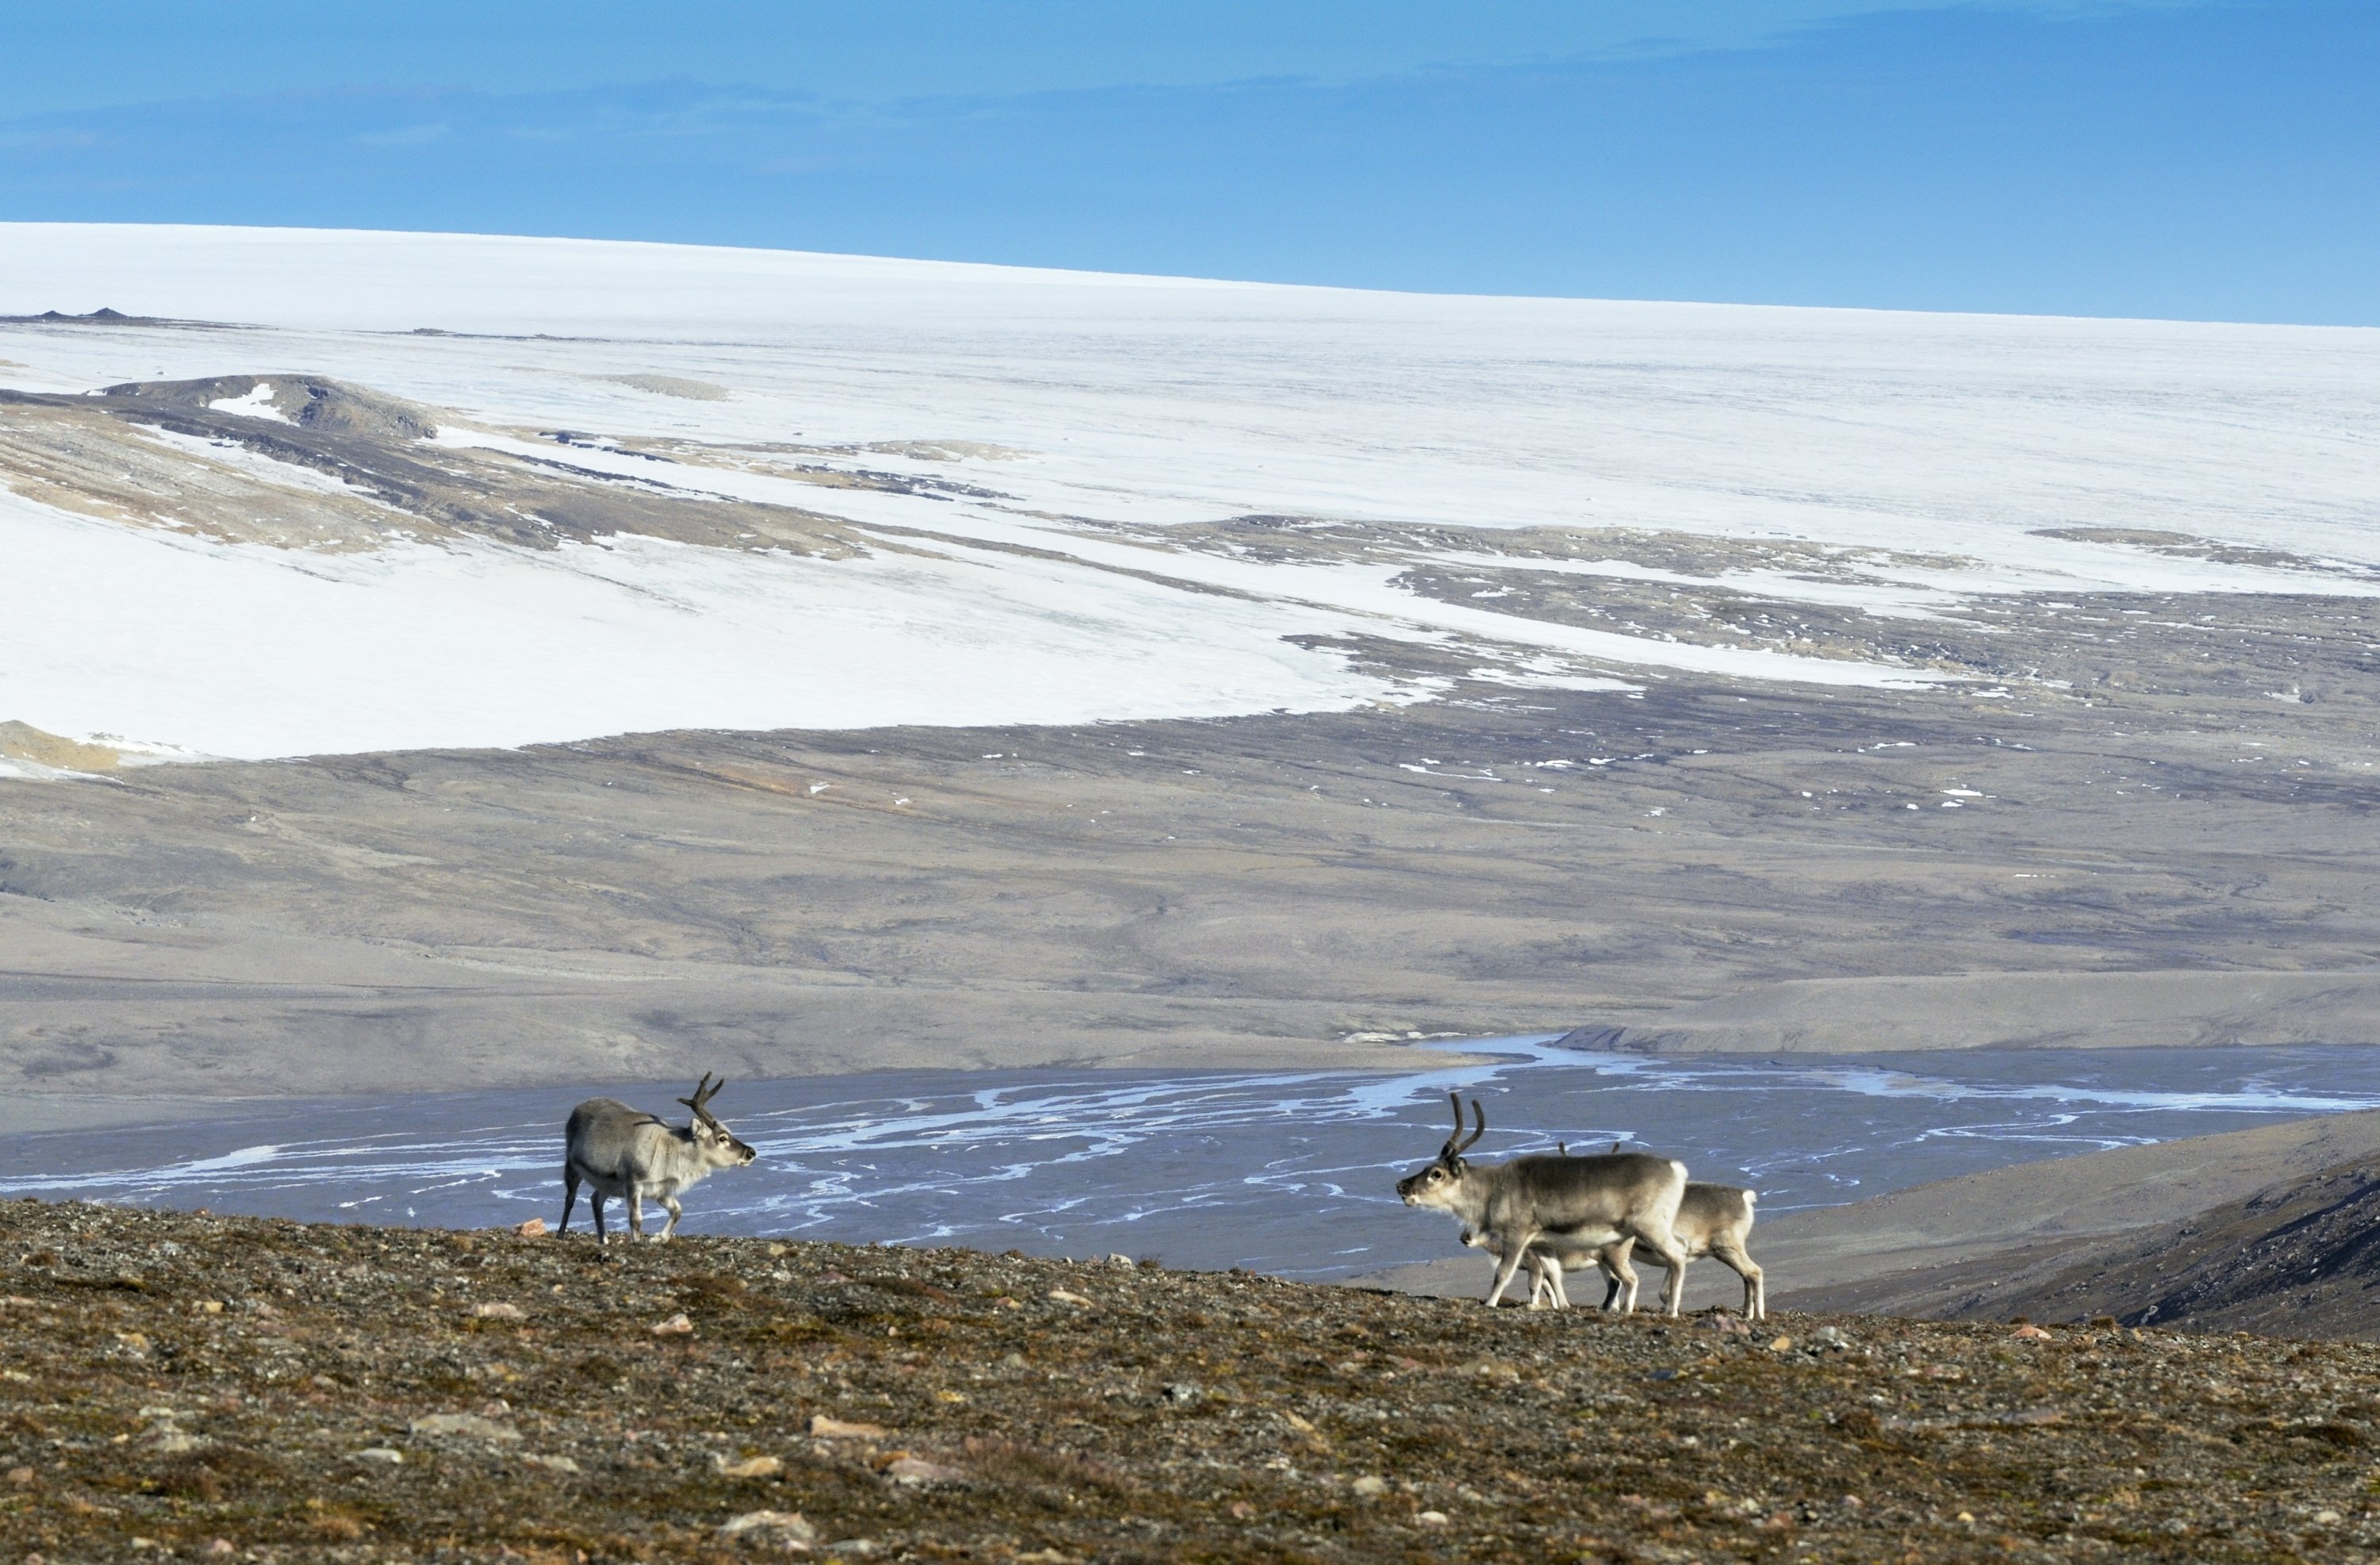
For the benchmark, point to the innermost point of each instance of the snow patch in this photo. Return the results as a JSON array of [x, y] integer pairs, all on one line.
[[257, 404]]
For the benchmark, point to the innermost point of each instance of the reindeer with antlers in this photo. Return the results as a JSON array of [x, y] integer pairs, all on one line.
[[627, 1153], [1605, 1206]]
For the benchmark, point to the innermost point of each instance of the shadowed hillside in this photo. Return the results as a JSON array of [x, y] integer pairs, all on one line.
[[2300, 1259]]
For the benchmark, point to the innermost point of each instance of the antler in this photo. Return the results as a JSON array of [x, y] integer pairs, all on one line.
[[1478, 1114], [704, 1092], [1457, 1144]]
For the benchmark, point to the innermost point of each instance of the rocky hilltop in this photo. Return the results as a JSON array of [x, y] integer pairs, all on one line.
[[176, 1385]]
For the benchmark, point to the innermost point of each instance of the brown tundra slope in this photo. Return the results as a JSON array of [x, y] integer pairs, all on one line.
[[178, 1385]]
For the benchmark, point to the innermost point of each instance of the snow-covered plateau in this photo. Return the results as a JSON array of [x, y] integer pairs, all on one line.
[[310, 493]]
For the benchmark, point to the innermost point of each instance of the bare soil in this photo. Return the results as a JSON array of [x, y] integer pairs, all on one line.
[[1758, 871]]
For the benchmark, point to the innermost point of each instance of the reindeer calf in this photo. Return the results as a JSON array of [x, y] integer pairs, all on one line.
[[1713, 1220]]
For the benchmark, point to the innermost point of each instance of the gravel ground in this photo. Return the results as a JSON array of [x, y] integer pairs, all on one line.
[[177, 1385]]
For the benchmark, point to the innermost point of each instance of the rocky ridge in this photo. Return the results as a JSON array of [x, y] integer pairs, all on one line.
[[177, 1385]]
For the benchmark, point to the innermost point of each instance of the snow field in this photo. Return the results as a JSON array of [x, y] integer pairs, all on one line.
[[1937, 446]]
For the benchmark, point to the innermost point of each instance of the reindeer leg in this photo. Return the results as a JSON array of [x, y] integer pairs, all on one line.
[[569, 1196], [1755, 1285], [1545, 1291], [1672, 1256], [1507, 1263], [670, 1230], [635, 1199], [1541, 1291], [1614, 1260], [595, 1204]]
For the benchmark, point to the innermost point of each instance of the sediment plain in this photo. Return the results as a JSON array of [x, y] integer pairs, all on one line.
[[2153, 851]]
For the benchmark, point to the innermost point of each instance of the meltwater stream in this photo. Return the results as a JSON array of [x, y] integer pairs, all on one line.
[[1283, 1172]]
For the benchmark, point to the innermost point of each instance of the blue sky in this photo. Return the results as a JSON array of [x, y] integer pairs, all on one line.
[[2211, 159]]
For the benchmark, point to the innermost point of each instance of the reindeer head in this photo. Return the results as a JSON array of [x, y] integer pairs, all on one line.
[[716, 1142], [1435, 1184]]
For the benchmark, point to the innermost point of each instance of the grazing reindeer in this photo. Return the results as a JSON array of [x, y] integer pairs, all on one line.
[[1713, 1220], [628, 1153], [1606, 1204]]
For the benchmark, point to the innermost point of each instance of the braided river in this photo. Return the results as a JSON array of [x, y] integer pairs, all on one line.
[[1287, 1172]]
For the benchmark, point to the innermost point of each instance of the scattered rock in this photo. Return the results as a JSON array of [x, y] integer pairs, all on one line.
[[1431, 1518], [825, 1428], [1182, 1392], [1371, 1487], [750, 1467], [533, 1229], [676, 1326], [908, 1468], [1064, 1297], [386, 1455], [551, 1464], [1731, 1325], [2029, 1331], [780, 1525], [498, 1310], [468, 1426], [1781, 1344]]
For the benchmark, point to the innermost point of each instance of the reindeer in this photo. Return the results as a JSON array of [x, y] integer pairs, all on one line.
[[1713, 1220], [1604, 1204], [628, 1153]]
